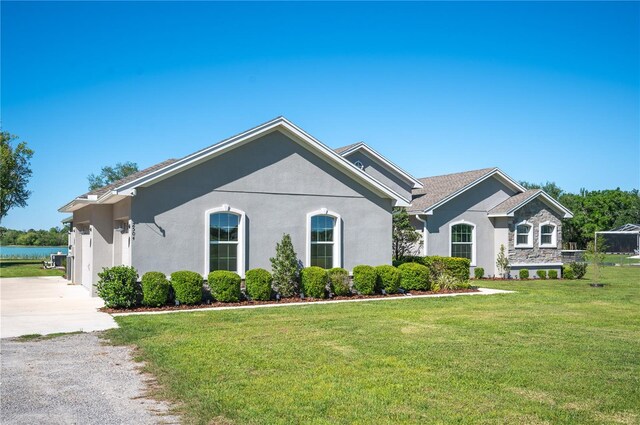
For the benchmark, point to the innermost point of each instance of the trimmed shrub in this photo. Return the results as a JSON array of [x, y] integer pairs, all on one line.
[[225, 286], [388, 278], [579, 269], [339, 281], [408, 259], [567, 272], [553, 274], [478, 272], [187, 286], [364, 279], [258, 283], [118, 286], [524, 274], [452, 266], [542, 274], [313, 282], [155, 289], [415, 277]]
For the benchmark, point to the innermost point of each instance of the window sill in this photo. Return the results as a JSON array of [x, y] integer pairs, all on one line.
[[524, 246], [548, 246]]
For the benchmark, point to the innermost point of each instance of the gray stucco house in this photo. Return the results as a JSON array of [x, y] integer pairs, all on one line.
[[226, 206]]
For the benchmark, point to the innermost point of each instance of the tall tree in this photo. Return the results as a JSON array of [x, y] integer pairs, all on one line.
[[14, 173], [550, 188], [110, 174], [405, 237]]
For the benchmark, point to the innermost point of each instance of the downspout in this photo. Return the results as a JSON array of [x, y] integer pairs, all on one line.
[[424, 234]]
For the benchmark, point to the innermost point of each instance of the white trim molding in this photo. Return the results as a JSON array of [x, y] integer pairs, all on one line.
[[554, 235], [241, 238], [529, 234], [337, 237], [473, 239]]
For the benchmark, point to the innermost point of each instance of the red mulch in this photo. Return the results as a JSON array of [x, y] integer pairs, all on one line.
[[282, 301]]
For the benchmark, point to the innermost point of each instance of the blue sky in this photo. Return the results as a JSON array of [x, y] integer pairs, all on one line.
[[545, 91]]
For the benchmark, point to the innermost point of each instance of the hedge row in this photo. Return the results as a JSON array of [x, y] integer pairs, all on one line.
[[450, 266], [119, 289]]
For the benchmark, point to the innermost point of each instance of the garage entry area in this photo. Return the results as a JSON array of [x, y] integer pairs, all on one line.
[[46, 305]]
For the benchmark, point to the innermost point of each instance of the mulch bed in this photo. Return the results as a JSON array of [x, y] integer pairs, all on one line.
[[282, 301]]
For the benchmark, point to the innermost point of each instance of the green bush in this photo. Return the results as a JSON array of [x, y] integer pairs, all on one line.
[[388, 278], [339, 281], [225, 286], [414, 277], [313, 282], [452, 266], [542, 274], [155, 289], [364, 279], [187, 286], [524, 274], [567, 272], [478, 272], [258, 283], [408, 259], [118, 286], [553, 274], [447, 282], [579, 269]]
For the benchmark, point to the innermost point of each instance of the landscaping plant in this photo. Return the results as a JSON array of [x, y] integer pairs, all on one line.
[[388, 279], [187, 286], [364, 279], [447, 282], [118, 286], [339, 281], [502, 262], [258, 283], [578, 269], [414, 277], [595, 255], [542, 274], [478, 272], [225, 286], [405, 237], [314, 282], [567, 272], [553, 274], [285, 268], [155, 289], [524, 274]]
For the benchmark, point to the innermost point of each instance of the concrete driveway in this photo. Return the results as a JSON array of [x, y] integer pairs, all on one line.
[[45, 305]]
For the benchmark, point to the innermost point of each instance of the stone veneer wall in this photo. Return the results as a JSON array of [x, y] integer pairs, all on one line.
[[535, 212]]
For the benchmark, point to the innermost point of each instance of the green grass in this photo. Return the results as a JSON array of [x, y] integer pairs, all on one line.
[[25, 268], [554, 352], [620, 259]]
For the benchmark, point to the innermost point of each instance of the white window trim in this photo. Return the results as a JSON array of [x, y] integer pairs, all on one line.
[[473, 239], [529, 244], [337, 237], [241, 238], [554, 235]]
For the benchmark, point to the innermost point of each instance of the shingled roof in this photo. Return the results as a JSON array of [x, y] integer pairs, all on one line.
[[512, 202], [345, 148], [104, 189], [438, 188]]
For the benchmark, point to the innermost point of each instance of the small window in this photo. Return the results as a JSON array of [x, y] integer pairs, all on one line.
[[223, 240], [524, 236], [462, 241], [547, 235], [359, 164]]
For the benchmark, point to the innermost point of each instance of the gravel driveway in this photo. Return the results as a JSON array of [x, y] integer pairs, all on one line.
[[74, 379]]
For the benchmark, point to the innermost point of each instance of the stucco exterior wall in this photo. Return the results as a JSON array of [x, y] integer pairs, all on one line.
[[535, 212], [276, 182], [380, 172], [472, 207]]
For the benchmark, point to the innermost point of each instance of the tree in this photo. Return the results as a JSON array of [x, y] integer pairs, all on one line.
[[550, 188], [285, 268], [595, 254], [109, 174], [14, 173], [405, 237], [502, 262]]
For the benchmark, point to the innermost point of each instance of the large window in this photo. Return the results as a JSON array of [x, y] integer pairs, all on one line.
[[223, 241], [322, 241], [524, 235], [547, 235], [463, 241]]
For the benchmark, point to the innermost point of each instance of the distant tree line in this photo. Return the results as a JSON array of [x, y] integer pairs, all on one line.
[[52, 237], [593, 210]]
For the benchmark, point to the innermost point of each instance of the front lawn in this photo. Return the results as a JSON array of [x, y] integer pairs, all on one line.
[[554, 352], [25, 268]]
